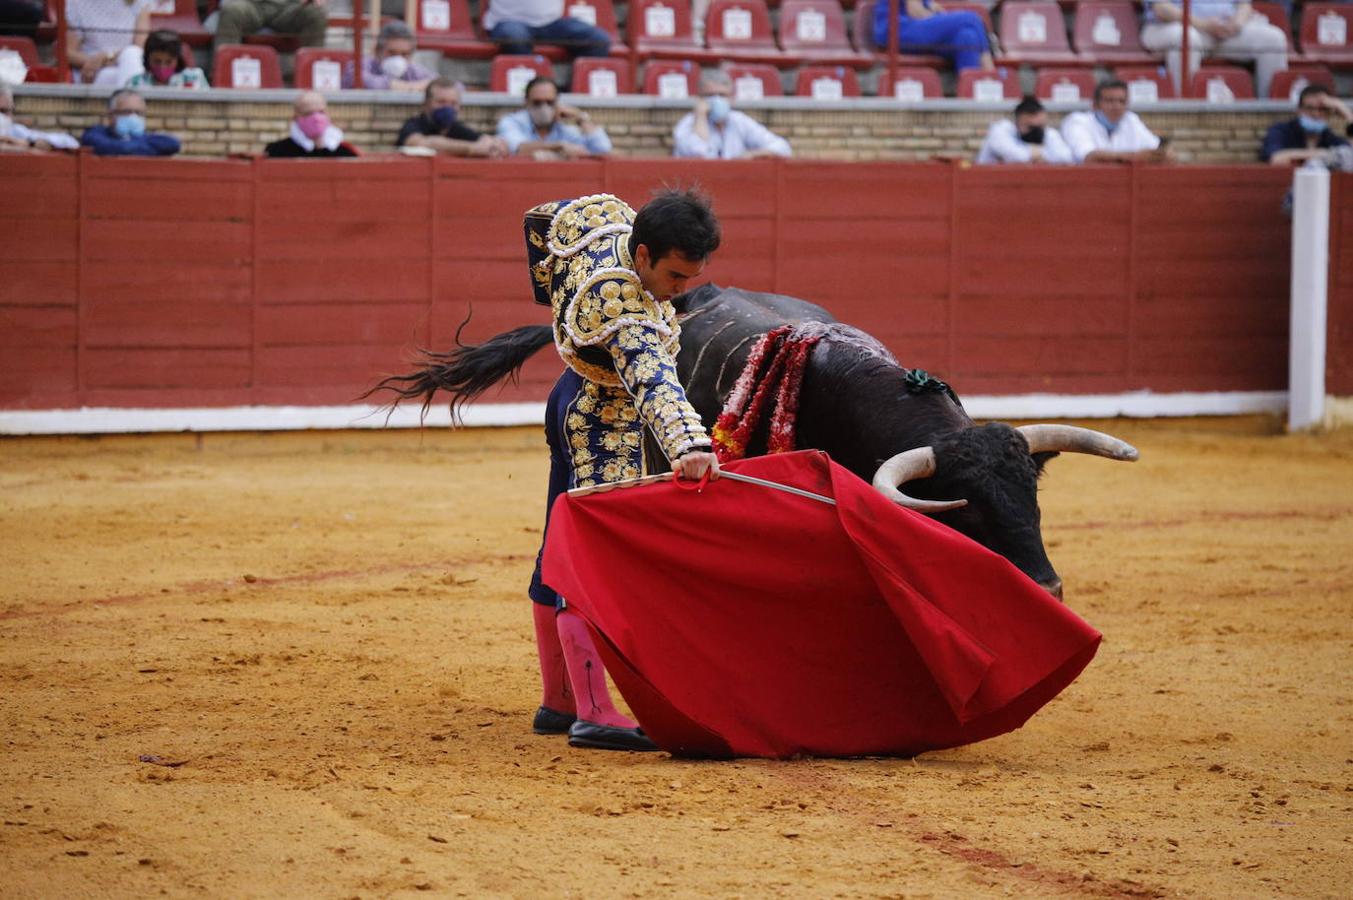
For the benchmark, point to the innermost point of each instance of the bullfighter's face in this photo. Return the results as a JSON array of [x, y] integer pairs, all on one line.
[[669, 275]]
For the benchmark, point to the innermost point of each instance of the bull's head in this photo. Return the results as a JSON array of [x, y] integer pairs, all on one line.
[[995, 468]]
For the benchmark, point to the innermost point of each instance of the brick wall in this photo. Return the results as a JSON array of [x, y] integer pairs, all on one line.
[[216, 123]]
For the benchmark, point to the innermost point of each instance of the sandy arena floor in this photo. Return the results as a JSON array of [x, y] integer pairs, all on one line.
[[329, 632]]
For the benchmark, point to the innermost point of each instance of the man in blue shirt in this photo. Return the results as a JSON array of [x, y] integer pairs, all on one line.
[[547, 129], [1309, 135], [714, 130], [124, 132]]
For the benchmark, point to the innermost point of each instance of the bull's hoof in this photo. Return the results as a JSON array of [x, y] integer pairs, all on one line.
[[608, 737], [552, 721]]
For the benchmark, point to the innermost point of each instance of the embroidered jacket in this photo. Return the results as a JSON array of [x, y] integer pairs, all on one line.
[[620, 338]]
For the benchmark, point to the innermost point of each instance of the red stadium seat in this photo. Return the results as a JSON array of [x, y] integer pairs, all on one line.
[[1288, 84], [739, 31], [661, 29], [827, 82], [912, 83], [1064, 85], [1146, 84], [1221, 84], [320, 69], [672, 79], [1327, 34], [1032, 31], [752, 81], [1276, 15], [1108, 32], [182, 20], [863, 30], [246, 67], [46, 32], [1001, 83], [815, 31], [512, 72], [446, 26], [28, 52], [599, 76]]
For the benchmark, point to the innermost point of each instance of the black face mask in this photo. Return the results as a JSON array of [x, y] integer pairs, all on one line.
[[1033, 136]]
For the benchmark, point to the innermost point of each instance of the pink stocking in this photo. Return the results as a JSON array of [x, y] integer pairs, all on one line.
[[587, 674], [555, 693]]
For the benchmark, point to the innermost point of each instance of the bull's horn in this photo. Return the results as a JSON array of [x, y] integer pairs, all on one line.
[[910, 465], [1072, 439]]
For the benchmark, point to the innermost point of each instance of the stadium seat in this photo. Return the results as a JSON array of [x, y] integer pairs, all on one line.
[[1001, 83], [511, 72], [46, 32], [1032, 32], [182, 19], [1108, 32], [1291, 82], [815, 31], [320, 69], [1221, 84], [912, 83], [863, 30], [28, 52], [1277, 15], [661, 29], [246, 67], [1146, 84], [599, 76], [827, 82], [1064, 85], [752, 81], [1327, 34], [739, 31], [672, 79], [446, 26]]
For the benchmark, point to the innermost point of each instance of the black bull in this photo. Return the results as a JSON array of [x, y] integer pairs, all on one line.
[[869, 414]]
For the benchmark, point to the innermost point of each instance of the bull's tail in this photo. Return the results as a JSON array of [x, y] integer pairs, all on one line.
[[466, 371]]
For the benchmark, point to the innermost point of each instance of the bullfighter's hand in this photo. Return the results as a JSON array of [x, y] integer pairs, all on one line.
[[693, 466]]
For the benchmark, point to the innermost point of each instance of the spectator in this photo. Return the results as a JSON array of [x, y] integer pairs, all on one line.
[[1226, 28], [20, 17], [545, 129], [104, 38], [392, 68], [714, 130], [1309, 135], [439, 127], [306, 19], [516, 24], [124, 132], [312, 134], [924, 27], [164, 66], [1111, 132], [15, 136], [1025, 139]]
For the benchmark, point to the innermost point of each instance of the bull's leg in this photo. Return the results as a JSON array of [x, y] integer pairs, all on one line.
[[557, 710], [600, 725]]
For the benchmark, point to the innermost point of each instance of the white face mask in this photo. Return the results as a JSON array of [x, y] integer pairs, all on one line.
[[395, 66], [541, 115]]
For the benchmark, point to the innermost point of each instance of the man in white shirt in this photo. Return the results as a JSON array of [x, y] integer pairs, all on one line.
[[1111, 132], [714, 130], [15, 136], [1226, 28], [1025, 139]]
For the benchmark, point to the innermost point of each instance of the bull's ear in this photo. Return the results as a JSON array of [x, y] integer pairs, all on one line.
[[1041, 460]]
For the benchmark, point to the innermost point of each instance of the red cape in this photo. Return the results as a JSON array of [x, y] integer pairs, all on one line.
[[746, 621]]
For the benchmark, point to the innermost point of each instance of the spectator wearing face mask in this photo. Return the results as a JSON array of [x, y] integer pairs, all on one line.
[[1024, 139], [17, 137], [1309, 135], [714, 130], [124, 130], [547, 129], [164, 65], [438, 127], [1111, 132], [312, 135], [392, 68]]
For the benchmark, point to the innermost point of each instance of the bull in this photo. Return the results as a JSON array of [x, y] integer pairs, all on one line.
[[867, 412]]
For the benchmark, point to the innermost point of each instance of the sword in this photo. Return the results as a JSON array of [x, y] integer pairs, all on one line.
[[731, 476]]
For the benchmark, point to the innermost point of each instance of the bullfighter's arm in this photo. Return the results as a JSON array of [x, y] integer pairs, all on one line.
[[650, 375]]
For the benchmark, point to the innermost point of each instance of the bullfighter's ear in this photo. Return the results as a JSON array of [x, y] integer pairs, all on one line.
[[1041, 460]]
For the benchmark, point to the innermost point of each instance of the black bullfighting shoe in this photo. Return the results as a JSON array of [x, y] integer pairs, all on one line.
[[552, 721], [608, 737]]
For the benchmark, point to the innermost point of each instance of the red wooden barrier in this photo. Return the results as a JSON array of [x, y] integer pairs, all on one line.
[[184, 283]]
